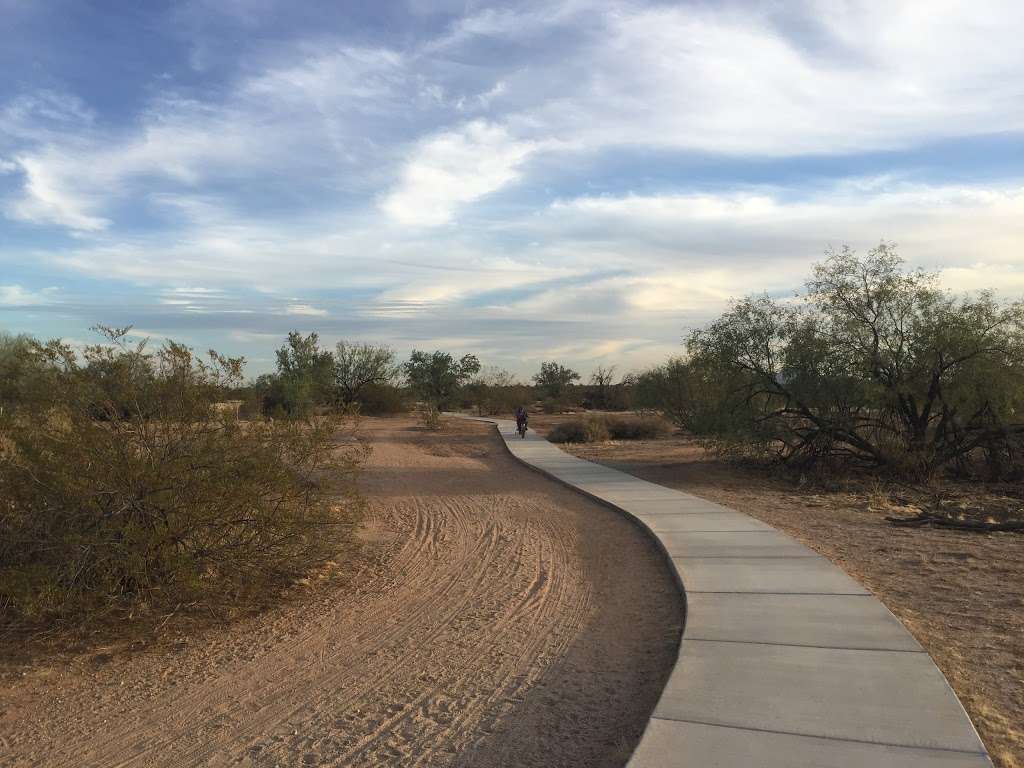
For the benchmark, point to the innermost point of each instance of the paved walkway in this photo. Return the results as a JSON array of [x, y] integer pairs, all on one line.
[[785, 662]]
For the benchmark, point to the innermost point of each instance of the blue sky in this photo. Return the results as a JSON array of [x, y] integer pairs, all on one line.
[[568, 180]]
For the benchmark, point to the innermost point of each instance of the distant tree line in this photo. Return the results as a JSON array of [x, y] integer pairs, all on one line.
[[370, 378], [310, 379]]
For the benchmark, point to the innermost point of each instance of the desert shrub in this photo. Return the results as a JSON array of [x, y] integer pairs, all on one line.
[[604, 394], [620, 396], [596, 429], [122, 488], [591, 429], [635, 427], [430, 416], [252, 404], [17, 371], [495, 391], [248, 399], [573, 431], [552, 405], [304, 379], [381, 400], [507, 398]]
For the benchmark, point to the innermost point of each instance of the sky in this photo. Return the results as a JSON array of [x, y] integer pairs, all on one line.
[[526, 181]]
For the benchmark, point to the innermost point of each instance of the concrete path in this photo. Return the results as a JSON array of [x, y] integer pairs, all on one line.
[[785, 662]]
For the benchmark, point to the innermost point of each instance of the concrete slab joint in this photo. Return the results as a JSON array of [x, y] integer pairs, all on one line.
[[785, 661]]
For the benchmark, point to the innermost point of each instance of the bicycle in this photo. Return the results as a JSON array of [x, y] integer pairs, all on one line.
[[521, 429]]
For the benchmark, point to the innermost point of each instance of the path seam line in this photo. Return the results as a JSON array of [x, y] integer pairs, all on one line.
[[818, 736], [804, 645]]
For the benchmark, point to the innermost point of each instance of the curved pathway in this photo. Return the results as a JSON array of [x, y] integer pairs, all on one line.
[[785, 662]]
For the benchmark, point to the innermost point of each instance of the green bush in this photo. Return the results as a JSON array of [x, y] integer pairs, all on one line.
[[507, 399], [381, 400], [17, 371], [437, 377], [304, 379], [122, 487]]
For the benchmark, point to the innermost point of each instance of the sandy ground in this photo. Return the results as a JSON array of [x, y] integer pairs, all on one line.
[[961, 594], [490, 618]]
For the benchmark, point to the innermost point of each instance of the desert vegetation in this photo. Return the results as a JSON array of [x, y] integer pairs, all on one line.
[[872, 366], [308, 379], [125, 483], [437, 376], [598, 428], [125, 489], [495, 391]]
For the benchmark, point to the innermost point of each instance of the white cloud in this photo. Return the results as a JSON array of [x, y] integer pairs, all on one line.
[[43, 115], [694, 77], [682, 255], [195, 290], [673, 207], [504, 23], [454, 168], [367, 79], [299, 117], [18, 296], [49, 200], [481, 100], [305, 310], [721, 79], [1005, 279], [681, 258], [715, 79], [947, 223]]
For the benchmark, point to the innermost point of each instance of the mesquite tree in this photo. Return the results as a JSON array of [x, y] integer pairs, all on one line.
[[437, 375], [876, 365], [357, 366], [554, 379]]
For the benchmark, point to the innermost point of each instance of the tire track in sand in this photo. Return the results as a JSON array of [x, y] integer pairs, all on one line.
[[479, 587]]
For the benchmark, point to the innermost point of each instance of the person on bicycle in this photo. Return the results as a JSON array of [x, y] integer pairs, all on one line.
[[521, 420]]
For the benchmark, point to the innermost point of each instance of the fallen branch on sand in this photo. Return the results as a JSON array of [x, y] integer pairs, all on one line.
[[944, 521]]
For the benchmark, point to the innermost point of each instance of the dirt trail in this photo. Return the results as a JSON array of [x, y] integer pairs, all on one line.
[[496, 619]]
